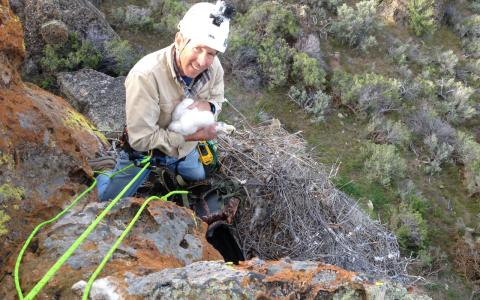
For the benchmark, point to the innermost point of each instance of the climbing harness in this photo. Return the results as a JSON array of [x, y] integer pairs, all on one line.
[[51, 272]]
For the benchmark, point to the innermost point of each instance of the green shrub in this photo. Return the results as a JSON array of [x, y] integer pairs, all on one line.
[[71, 56], [468, 151], [456, 103], [412, 198], [299, 96], [446, 61], [399, 53], [405, 189], [425, 122], [415, 88], [355, 27], [472, 66], [332, 5], [472, 177], [467, 148], [469, 30], [171, 12], [268, 19], [383, 164], [271, 29], [307, 71], [418, 203], [412, 233], [118, 16], [431, 259], [420, 16], [274, 56], [417, 55], [122, 54], [475, 6], [472, 47], [320, 106], [382, 130], [315, 102], [470, 27], [370, 93], [138, 18], [48, 83], [438, 154]]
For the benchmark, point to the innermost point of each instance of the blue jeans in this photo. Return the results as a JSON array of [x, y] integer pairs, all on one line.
[[189, 168]]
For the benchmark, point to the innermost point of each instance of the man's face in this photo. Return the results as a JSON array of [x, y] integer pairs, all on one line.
[[192, 58]]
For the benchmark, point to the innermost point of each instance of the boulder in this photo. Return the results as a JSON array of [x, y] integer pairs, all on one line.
[[165, 236], [79, 16], [310, 44], [18, 7], [394, 11], [54, 32], [136, 15], [99, 97], [44, 147], [254, 279]]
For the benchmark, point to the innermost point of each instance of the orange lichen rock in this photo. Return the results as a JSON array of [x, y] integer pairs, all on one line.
[[255, 279], [303, 277], [12, 47], [44, 147]]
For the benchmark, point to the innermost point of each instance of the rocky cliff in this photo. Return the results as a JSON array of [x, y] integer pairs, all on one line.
[[44, 144], [44, 147]]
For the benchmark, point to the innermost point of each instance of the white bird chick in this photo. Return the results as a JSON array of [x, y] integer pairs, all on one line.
[[187, 121]]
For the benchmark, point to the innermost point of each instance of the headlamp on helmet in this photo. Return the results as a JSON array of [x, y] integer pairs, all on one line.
[[208, 24], [222, 11]]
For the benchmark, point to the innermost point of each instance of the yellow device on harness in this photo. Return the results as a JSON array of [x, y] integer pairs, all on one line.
[[206, 155]]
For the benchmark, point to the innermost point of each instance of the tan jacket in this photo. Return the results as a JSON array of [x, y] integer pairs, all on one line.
[[153, 92]]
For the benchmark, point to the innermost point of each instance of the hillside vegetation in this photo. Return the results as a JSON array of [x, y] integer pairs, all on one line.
[[385, 91]]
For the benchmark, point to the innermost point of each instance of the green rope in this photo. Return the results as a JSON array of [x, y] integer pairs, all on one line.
[[25, 246], [120, 239], [34, 232], [51, 272]]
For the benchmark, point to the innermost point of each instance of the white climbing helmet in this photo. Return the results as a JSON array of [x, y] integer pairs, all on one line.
[[208, 24]]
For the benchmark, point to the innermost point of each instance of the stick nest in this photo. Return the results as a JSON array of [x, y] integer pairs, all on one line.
[[290, 207]]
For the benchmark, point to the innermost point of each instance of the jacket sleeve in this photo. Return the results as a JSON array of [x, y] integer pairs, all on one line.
[[217, 96], [142, 114]]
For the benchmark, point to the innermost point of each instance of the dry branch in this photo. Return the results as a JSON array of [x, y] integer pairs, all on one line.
[[290, 207]]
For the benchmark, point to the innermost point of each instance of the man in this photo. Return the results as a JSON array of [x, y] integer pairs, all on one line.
[[189, 68]]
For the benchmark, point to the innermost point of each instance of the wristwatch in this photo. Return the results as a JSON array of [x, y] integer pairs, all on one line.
[[213, 109]]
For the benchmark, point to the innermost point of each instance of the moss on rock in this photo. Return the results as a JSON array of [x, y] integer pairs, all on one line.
[[9, 192], [4, 218], [76, 120], [6, 160]]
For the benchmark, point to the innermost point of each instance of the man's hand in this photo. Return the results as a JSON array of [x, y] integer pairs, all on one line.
[[200, 105], [204, 134]]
